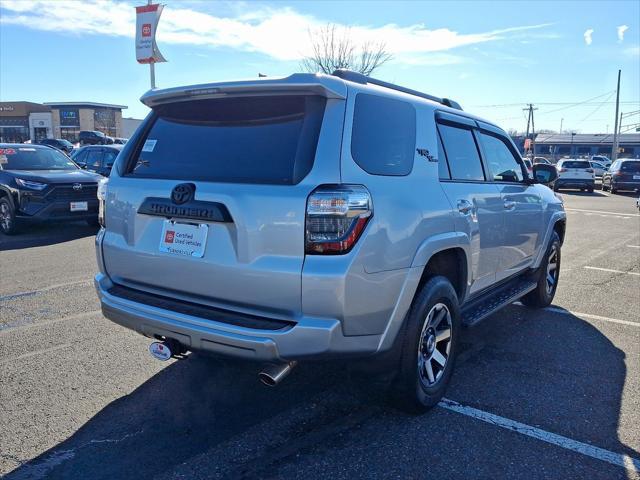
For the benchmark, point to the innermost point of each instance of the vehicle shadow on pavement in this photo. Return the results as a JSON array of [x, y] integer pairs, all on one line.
[[41, 235], [550, 369], [547, 369]]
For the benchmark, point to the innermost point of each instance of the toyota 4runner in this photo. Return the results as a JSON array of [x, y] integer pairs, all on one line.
[[322, 216]]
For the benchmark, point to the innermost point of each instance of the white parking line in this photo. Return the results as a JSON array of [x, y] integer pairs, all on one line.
[[625, 461], [9, 328], [600, 211], [633, 246], [33, 354], [612, 271], [593, 317], [44, 289]]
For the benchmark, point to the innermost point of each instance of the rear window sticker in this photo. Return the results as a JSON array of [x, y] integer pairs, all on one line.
[[149, 145]]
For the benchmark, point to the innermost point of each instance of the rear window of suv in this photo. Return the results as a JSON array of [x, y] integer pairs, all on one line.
[[262, 140], [630, 166], [576, 165]]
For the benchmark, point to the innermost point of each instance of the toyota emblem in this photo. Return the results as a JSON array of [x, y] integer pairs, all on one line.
[[77, 186], [183, 193]]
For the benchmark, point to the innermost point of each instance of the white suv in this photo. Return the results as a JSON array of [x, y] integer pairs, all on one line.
[[574, 173]]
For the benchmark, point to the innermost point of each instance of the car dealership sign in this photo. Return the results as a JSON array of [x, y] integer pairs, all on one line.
[[147, 18]]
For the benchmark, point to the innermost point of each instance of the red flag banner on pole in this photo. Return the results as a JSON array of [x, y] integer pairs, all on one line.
[[147, 18]]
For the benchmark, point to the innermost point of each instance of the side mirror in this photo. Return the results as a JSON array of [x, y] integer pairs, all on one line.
[[545, 174]]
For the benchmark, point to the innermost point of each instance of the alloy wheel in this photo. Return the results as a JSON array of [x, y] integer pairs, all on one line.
[[5, 217], [552, 269], [435, 345]]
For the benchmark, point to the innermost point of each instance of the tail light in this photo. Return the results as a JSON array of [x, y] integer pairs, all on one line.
[[102, 196], [589, 170], [562, 170], [336, 217], [617, 174]]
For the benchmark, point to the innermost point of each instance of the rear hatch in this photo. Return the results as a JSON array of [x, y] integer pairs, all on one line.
[[576, 170], [629, 172], [209, 207]]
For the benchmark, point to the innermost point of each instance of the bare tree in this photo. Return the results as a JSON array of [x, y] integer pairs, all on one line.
[[333, 48]]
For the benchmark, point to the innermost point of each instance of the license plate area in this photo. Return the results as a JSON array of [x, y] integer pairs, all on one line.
[[78, 206], [183, 239], [636, 177]]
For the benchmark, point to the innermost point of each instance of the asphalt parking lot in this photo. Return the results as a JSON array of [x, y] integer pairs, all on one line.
[[553, 393]]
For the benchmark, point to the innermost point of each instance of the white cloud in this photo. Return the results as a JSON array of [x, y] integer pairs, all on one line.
[[621, 30], [587, 36], [280, 33]]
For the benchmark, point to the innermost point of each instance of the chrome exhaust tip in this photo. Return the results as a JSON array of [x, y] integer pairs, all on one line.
[[274, 373]]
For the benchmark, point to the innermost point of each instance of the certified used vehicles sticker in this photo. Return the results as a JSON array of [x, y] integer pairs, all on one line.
[[185, 239]]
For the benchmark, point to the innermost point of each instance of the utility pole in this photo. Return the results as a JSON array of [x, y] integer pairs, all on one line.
[[614, 148], [531, 123], [561, 121]]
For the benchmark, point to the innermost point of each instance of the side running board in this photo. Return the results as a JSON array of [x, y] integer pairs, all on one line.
[[480, 308]]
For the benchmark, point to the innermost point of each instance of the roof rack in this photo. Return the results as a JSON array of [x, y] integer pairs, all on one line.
[[363, 79]]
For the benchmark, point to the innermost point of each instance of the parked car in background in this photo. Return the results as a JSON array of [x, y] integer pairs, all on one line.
[[602, 160], [120, 141], [92, 137], [39, 183], [529, 165], [239, 241], [624, 174], [574, 173], [97, 158], [541, 160], [59, 143], [598, 168]]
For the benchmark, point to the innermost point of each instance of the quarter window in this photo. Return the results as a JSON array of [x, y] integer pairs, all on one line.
[[462, 153], [503, 165], [383, 139]]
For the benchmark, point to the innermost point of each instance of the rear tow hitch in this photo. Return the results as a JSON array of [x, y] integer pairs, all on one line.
[[167, 349]]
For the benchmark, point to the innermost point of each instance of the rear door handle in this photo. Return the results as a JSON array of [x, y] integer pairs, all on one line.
[[464, 207], [509, 205]]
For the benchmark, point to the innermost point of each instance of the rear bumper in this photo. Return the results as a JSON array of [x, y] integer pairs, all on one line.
[[309, 338], [575, 183], [626, 185]]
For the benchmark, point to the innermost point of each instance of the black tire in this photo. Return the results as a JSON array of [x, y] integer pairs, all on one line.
[[412, 391], [590, 189], [603, 186], [8, 222], [543, 294], [613, 189]]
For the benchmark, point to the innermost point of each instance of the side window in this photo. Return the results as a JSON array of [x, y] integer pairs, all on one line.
[[81, 157], [503, 165], [443, 168], [462, 153], [383, 139], [109, 158], [94, 158]]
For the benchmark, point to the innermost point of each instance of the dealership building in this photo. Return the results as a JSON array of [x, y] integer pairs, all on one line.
[[555, 145], [22, 121]]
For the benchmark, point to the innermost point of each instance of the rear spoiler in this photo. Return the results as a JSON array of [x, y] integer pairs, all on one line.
[[298, 83]]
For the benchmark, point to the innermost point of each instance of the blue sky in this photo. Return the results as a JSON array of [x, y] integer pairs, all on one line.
[[492, 57]]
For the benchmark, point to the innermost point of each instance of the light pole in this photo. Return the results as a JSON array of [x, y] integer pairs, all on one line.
[[573, 134]]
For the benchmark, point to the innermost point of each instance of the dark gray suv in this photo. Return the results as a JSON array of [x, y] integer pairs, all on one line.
[[322, 216]]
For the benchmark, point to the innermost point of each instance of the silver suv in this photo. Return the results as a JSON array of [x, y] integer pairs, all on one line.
[[322, 216]]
